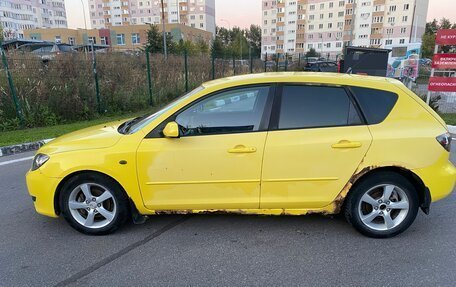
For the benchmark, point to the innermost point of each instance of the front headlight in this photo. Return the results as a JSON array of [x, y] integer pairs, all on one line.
[[39, 160]]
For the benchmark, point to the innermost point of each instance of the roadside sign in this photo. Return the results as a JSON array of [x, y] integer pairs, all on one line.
[[442, 84], [446, 37], [444, 61]]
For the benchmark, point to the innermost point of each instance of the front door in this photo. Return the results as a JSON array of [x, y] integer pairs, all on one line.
[[317, 141], [216, 162]]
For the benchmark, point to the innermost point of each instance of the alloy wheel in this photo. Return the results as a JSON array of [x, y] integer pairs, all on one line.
[[92, 205], [383, 207]]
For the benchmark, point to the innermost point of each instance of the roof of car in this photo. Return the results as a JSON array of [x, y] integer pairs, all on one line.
[[301, 77]]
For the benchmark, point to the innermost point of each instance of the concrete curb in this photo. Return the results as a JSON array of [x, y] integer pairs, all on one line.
[[20, 148], [452, 129]]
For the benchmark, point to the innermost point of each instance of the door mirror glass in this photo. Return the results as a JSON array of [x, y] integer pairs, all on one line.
[[171, 130]]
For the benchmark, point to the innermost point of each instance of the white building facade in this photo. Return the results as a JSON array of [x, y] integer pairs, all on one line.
[[18, 15], [296, 26], [198, 14]]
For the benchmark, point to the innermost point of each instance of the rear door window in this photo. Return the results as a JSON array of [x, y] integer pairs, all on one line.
[[375, 104], [316, 106]]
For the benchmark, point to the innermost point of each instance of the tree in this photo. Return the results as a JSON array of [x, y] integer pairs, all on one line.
[[217, 47], [444, 23], [254, 37], [431, 27], [312, 53], [202, 46], [1, 34], [427, 46], [155, 40]]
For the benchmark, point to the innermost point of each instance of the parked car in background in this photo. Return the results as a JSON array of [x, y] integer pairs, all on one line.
[[47, 51], [270, 64], [321, 66], [273, 144], [311, 59]]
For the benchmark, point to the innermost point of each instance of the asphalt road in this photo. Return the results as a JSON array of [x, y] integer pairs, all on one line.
[[209, 250]]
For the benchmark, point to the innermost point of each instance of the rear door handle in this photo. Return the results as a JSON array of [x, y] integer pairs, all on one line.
[[346, 144], [242, 149]]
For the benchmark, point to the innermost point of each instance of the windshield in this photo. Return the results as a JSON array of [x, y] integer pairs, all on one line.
[[147, 120]]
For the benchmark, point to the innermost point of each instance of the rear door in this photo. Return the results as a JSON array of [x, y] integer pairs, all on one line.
[[316, 141]]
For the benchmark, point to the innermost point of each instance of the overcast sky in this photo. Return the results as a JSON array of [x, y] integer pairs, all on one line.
[[242, 13]]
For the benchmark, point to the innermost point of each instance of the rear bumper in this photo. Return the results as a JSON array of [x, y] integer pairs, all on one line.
[[439, 178], [42, 190]]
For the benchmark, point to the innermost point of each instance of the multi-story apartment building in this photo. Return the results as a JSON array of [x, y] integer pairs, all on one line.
[[198, 14], [18, 15], [296, 26]]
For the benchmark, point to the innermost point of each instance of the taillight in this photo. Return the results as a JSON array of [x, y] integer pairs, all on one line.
[[445, 141]]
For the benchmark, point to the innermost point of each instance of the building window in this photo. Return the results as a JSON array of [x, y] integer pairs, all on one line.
[[388, 42], [104, 41], [58, 39], [120, 39], [92, 40], [71, 40], [135, 39], [402, 41]]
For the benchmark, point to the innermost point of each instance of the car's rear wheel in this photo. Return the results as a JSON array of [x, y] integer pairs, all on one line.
[[94, 204], [382, 205]]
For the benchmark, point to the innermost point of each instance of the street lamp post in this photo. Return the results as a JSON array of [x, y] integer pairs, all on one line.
[[85, 20], [165, 50]]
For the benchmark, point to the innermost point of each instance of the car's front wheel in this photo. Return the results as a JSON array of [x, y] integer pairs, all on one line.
[[382, 205], [94, 204]]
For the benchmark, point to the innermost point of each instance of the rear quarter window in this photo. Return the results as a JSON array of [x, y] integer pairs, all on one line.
[[375, 104]]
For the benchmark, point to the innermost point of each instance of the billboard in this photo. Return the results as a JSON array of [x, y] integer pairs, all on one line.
[[442, 84], [404, 60], [444, 61], [446, 37]]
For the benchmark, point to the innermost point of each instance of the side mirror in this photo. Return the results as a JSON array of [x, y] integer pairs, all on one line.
[[171, 130]]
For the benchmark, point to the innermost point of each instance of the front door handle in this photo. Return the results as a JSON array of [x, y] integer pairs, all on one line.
[[347, 144], [242, 149]]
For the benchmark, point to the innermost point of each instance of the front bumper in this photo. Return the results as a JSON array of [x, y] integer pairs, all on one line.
[[42, 189], [439, 178]]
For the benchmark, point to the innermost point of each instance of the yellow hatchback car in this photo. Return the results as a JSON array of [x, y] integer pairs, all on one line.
[[271, 144]]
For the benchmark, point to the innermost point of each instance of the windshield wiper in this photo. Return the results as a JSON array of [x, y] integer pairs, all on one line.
[[125, 127]]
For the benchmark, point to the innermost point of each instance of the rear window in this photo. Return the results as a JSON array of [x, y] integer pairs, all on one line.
[[376, 104]]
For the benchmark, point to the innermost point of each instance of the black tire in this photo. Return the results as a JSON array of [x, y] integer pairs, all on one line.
[[352, 203], [122, 210]]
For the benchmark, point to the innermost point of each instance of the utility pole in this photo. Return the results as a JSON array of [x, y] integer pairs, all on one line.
[[165, 50], [85, 28]]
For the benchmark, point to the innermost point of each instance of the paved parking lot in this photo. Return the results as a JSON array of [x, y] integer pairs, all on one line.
[[208, 250]]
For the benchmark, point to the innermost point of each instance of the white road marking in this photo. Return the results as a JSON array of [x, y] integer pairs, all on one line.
[[16, 160]]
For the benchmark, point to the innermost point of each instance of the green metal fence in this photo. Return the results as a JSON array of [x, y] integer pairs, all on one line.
[[37, 90]]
